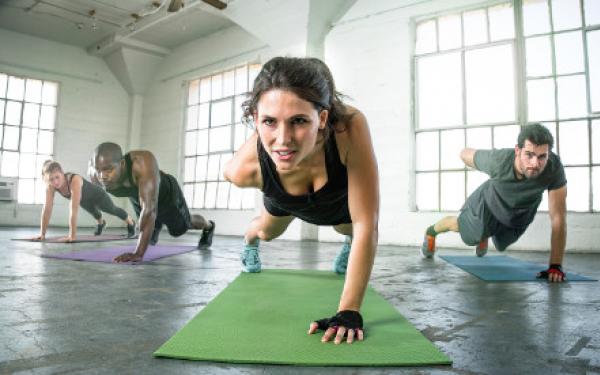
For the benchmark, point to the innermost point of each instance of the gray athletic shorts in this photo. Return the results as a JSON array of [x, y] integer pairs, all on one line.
[[476, 222]]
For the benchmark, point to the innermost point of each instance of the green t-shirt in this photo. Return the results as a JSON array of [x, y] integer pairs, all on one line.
[[514, 202]]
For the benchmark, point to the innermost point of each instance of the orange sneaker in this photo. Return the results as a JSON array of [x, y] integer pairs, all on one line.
[[428, 247], [482, 247]]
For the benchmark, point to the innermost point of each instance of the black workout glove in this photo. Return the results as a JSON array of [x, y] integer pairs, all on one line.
[[346, 318], [554, 268]]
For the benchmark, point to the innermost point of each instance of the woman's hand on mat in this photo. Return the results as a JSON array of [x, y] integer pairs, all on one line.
[[345, 324], [66, 239], [127, 257], [41, 237], [554, 274]]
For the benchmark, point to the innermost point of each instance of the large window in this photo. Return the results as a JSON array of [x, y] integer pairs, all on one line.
[[481, 73], [27, 120], [213, 132]]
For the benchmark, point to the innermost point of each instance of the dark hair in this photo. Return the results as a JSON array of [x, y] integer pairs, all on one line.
[[536, 134], [50, 166], [109, 149], [309, 78]]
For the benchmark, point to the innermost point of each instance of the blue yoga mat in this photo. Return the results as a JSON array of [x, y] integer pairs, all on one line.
[[503, 268]]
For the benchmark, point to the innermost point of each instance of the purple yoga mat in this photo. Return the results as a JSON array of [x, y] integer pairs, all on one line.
[[83, 238], [107, 255]]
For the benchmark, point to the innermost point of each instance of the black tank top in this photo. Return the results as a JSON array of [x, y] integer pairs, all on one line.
[[86, 188], [317, 207], [132, 191]]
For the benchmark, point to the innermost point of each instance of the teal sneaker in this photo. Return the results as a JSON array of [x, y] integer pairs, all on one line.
[[341, 260], [250, 258]]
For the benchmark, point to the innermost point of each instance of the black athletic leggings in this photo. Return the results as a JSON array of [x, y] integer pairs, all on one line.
[[95, 203]]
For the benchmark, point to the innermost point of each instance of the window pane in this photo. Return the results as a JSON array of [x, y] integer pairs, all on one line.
[[224, 159], [506, 136], [3, 84], [11, 138], [10, 164], [578, 179], [253, 71], [479, 138], [566, 14], [204, 116], [199, 195], [216, 87], [16, 88], [45, 142], [190, 143], [192, 117], [202, 143], [572, 98], [31, 115], [47, 117], [427, 148], [596, 141], [241, 80], [592, 16], [33, 90], [475, 27], [212, 171], [13, 113], [49, 93], [540, 99], [201, 168], [188, 193], [221, 113], [475, 179], [593, 43], [210, 199], [220, 139], [453, 190], [188, 170], [596, 185], [2, 105], [194, 92], [426, 39], [552, 127], [235, 198], [28, 140], [538, 56], [26, 191], [569, 52], [490, 85], [450, 32], [1, 135], [40, 159], [27, 167], [248, 198], [573, 144], [228, 83], [222, 194], [439, 91], [205, 90], [240, 136], [501, 22], [427, 191], [536, 17], [40, 190], [453, 141], [239, 111]]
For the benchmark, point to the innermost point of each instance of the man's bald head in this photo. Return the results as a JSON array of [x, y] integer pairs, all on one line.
[[107, 164], [108, 151]]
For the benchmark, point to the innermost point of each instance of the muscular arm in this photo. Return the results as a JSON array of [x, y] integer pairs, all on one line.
[[146, 175], [363, 201], [243, 170], [76, 183], [557, 208], [468, 157]]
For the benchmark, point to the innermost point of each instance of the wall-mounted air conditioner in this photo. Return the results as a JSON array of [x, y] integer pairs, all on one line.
[[8, 189]]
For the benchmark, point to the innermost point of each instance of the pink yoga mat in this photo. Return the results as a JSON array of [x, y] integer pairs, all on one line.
[[83, 238], [106, 255]]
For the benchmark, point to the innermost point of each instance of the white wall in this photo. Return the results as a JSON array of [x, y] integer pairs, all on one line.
[[369, 53], [92, 108]]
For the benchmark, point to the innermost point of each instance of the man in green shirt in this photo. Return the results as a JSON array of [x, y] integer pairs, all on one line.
[[503, 207]]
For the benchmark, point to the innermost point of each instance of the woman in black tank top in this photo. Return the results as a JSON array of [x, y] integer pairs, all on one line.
[[313, 159], [88, 196]]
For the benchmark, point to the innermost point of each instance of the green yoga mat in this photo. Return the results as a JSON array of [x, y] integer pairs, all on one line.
[[264, 318]]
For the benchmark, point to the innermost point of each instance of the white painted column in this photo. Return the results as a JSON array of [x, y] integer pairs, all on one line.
[[136, 106]]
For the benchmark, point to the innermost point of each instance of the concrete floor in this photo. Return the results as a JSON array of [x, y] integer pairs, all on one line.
[[61, 316]]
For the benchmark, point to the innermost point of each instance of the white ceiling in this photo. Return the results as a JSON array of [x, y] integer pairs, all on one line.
[[70, 21]]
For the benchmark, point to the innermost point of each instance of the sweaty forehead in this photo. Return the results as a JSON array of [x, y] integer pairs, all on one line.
[[276, 103], [103, 161], [536, 149]]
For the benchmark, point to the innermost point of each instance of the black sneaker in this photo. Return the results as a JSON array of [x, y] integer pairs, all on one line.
[[154, 238], [99, 228], [131, 230], [207, 236]]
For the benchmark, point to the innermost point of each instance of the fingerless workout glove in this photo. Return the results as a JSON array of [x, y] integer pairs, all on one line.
[[346, 318], [554, 268]]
